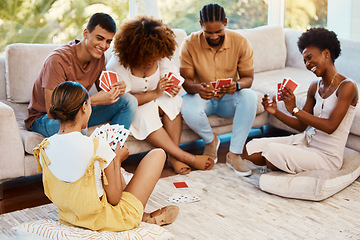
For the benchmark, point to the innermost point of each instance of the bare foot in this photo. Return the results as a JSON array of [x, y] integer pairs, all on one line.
[[172, 162], [192, 162], [162, 216]]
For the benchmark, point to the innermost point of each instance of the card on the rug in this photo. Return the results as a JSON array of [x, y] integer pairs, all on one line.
[[180, 185], [183, 198]]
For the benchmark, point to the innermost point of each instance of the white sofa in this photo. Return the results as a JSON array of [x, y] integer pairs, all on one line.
[[275, 55]]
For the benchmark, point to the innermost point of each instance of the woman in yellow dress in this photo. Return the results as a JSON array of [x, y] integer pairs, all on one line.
[[82, 176]]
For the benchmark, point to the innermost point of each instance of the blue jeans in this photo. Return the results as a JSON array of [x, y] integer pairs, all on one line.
[[241, 105], [122, 112]]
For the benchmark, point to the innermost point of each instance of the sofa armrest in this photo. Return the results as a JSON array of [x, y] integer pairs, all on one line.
[[2, 78], [11, 146]]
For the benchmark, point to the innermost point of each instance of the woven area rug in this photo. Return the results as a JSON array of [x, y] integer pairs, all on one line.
[[235, 208]]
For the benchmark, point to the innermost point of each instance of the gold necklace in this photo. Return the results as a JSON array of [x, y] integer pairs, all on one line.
[[322, 105]]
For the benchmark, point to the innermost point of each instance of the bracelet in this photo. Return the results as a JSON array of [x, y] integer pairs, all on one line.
[[295, 110], [238, 86]]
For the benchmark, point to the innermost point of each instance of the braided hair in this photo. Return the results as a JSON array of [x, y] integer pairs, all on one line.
[[212, 13]]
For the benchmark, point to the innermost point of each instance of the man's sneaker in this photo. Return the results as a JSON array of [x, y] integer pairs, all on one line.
[[238, 165], [264, 169], [211, 150]]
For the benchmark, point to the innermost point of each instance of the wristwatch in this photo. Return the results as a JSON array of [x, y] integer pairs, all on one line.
[[238, 86], [295, 110]]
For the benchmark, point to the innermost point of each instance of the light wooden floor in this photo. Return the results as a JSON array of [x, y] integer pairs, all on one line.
[[28, 192]]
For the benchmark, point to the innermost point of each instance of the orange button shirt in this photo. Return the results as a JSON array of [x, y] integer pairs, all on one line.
[[234, 55]]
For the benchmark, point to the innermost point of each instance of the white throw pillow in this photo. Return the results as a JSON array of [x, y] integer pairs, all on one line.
[[49, 229], [313, 185]]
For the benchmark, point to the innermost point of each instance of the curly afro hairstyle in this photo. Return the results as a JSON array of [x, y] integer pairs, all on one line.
[[322, 39], [143, 40]]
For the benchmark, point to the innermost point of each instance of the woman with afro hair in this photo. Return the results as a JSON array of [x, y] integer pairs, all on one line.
[[143, 50], [324, 121]]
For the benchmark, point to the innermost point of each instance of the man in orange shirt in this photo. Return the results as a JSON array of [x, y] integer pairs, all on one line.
[[206, 56]]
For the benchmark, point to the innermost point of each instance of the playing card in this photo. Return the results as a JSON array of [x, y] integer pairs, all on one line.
[[278, 92], [122, 135], [223, 82], [104, 87], [292, 85], [104, 84], [113, 134], [283, 83], [94, 133], [183, 198], [177, 81], [213, 84], [113, 78], [180, 185]]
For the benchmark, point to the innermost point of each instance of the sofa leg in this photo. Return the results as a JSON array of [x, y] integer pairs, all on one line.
[[1, 191]]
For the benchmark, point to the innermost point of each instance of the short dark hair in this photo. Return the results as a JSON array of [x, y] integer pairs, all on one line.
[[104, 20], [322, 39], [212, 13]]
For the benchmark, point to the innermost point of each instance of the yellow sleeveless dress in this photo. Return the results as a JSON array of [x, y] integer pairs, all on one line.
[[78, 202]]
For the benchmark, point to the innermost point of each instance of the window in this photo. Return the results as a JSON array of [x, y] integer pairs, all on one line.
[[240, 13], [51, 21], [304, 14]]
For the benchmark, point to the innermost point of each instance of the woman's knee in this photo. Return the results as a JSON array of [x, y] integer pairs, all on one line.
[[157, 155]]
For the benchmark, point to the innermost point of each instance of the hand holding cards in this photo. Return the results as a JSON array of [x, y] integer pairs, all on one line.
[[292, 85], [107, 78], [112, 134], [218, 84], [176, 81]]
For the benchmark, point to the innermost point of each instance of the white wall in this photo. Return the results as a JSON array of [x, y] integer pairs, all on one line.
[[344, 18]]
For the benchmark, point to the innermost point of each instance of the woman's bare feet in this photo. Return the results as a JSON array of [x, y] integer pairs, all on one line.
[[162, 216], [191, 160], [178, 166]]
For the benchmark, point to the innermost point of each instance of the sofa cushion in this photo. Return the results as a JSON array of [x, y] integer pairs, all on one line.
[[2, 78], [21, 72], [313, 185], [293, 56], [268, 43]]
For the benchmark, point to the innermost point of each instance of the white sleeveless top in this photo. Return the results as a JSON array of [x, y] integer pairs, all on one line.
[[333, 144]]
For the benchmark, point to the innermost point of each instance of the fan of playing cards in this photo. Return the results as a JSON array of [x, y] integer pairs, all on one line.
[[107, 78], [112, 134], [292, 85], [218, 84], [177, 81]]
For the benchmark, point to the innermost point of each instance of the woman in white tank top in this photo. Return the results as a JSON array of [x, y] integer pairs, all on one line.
[[324, 121]]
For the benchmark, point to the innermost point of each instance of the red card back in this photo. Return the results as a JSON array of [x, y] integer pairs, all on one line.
[[291, 85]]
